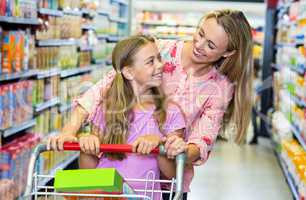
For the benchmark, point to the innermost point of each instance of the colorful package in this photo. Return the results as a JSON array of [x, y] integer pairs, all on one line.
[[7, 52]]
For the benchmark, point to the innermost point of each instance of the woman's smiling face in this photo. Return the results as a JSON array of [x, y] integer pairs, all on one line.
[[209, 42]]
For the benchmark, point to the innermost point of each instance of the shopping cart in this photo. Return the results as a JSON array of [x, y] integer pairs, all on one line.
[[34, 190]]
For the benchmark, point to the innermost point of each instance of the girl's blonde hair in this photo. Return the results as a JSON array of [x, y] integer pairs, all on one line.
[[120, 98], [238, 68]]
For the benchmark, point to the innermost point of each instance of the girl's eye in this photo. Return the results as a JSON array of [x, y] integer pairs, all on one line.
[[201, 34], [159, 57], [150, 62]]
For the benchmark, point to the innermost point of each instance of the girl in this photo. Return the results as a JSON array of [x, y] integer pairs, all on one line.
[[210, 78], [132, 111]]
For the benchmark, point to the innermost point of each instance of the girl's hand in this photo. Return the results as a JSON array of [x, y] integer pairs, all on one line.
[[57, 142], [145, 144], [90, 144], [174, 145]]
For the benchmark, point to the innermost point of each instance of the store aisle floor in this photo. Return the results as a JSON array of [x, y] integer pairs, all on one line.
[[240, 173]]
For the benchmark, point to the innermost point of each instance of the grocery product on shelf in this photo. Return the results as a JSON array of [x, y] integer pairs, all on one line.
[[67, 39], [72, 4], [167, 25], [16, 103], [15, 156], [68, 26], [47, 121], [48, 4], [289, 91], [15, 51], [103, 51], [68, 57], [22, 9]]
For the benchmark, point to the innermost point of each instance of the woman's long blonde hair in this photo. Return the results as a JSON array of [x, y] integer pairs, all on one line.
[[120, 99], [238, 68]]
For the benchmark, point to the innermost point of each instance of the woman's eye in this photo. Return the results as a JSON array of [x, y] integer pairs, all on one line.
[[211, 47]]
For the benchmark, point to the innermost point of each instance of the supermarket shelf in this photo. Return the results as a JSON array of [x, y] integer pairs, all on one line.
[[281, 45], [285, 5], [299, 101], [48, 104], [75, 71], [73, 12], [119, 20], [48, 73], [288, 176], [52, 12], [19, 75], [298, 136], [124, 2], [16, 129], [51, 134], [19, 20], [100, 61], [161, 23], [108, 62], [87, 11], [58, 42], [276, 66], [113, 38], [88, 27], [86, 48], [103, 12], [102, 37], [65, 108], [60, 166], [170, 37]]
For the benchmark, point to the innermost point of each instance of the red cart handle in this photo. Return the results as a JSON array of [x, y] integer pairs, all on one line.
[[113, 148]]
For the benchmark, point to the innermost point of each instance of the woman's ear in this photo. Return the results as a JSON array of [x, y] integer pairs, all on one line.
[[127, 72], [229, 53]]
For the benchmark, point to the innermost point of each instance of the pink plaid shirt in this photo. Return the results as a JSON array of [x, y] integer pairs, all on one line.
[[203, 100]]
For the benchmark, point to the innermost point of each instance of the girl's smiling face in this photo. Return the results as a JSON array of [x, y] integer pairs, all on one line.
[[146, 69]]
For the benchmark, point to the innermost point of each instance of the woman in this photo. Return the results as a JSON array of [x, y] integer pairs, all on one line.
[[210, 78]]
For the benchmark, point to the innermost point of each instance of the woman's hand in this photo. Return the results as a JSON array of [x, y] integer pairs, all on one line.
[[90, 144], [174, 145], [145, 144], [56, 143]]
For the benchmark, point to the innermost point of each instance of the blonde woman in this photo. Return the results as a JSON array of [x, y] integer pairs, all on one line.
[[210, 78]]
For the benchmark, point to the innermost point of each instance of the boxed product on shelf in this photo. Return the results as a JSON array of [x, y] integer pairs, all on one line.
[[101, 24], [47, 57], [68, 26], [16, 156], [16, 103], [72, 4], [48, 4], [21, 8], [47, 121], [73, 87], [15, 51], [295, 158], [84, 58], [103, 50], [68, 57], [45, 89]]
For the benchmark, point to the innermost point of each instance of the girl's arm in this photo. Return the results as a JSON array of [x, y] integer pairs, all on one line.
[[88, 161], [69, 131]]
